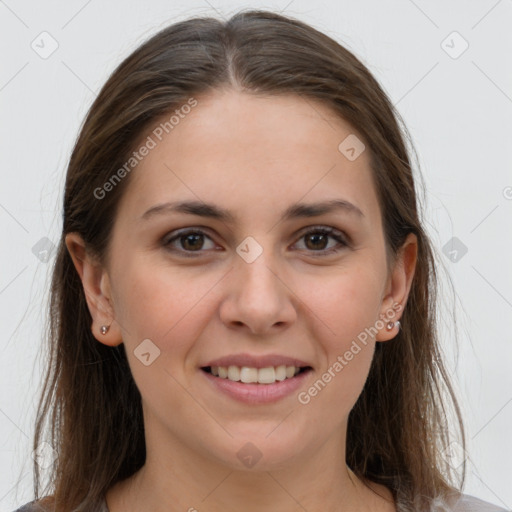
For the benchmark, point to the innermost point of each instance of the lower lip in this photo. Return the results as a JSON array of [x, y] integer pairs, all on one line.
[[254, 393]]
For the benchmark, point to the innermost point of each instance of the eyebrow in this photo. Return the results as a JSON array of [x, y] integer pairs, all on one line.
[[298, 210]]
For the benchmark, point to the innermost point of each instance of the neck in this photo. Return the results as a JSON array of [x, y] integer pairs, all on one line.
[[181, 478]]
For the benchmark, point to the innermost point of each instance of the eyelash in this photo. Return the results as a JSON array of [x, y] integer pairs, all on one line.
[[322, 230]]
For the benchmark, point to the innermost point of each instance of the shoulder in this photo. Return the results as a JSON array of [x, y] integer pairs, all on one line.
[[33, 506], [45, 505], [467, 503]]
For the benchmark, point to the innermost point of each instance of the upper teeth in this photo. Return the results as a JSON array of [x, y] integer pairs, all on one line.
[[247, 375]]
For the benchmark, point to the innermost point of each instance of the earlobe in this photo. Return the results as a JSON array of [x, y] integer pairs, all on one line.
[[399, 286], [96, 289]]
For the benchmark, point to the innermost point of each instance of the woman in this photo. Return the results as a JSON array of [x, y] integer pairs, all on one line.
[[244, 299]]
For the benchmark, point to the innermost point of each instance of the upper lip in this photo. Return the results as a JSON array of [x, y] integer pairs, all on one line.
[[257, 361]]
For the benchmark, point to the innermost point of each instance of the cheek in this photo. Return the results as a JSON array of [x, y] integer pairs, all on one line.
[[167, 308], [349, 305], [166, 305]]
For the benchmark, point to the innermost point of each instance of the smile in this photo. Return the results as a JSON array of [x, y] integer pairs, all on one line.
[[256, 385], [248, 375]]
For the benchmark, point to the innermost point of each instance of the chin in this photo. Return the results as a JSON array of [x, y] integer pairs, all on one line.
[[259, 452]]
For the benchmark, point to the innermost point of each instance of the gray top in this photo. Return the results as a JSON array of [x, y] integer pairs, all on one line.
[[35, 507], [472, 504], [466, 503]]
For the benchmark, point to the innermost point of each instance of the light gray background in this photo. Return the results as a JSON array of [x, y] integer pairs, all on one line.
[[458, 109]]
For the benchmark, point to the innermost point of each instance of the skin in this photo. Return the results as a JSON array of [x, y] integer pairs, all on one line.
[[255, 156]]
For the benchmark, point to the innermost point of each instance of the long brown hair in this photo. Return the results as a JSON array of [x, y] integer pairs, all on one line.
[[397, 430]]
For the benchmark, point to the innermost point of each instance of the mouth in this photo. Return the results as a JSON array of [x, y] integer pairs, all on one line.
[[250, 375], [256, 386]]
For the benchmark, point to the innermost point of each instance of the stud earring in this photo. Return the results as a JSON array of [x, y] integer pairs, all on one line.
[[104, 329], [390, 325]]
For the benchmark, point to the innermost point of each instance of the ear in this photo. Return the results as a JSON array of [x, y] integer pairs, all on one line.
[[96, 284], [398, 287]]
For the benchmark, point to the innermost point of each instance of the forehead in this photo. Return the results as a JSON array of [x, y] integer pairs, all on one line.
[[245, 151]]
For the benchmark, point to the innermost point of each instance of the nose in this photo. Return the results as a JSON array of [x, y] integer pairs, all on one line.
[[258, 298]]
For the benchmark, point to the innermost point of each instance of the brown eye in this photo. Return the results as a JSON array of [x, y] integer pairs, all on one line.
[[189, 241], [317, 240]]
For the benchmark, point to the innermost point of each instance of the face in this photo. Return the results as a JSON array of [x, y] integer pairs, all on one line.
[[187, 288]]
